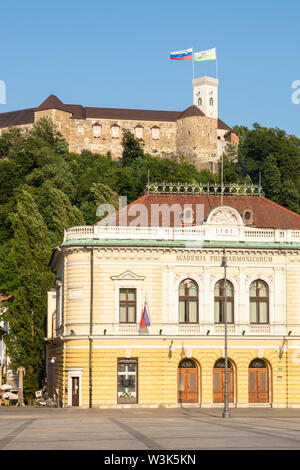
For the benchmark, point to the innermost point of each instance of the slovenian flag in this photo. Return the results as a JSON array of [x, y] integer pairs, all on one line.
[[186, 54], [145, 321]]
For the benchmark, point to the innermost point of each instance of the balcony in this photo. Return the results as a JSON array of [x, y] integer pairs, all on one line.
[[202, 329], [199, 234]]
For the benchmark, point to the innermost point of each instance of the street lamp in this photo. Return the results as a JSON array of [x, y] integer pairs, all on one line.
[[226, 413]]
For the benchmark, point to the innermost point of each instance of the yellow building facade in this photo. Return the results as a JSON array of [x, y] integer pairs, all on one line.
[[99, 354]]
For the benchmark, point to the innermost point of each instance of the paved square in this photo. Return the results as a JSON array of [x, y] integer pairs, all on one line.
[[148, 429]]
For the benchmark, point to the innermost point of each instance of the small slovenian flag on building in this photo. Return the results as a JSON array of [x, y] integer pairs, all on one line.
[[145, 321], [186, 54]]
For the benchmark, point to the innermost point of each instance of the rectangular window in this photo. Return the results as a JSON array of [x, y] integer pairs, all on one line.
[[193, 311], [127, 380], [155, 133], [127, 306], [229, 308], [115, 131], [96, 131], [253, 312], [263, 312], [139, 132], [218, 311], [182, 318], [80, 130]]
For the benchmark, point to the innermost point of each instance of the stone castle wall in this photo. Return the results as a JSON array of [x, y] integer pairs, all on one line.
[[196, 137]]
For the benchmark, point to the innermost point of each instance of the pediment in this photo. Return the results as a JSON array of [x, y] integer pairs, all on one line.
[[128, 276], [225, 215]]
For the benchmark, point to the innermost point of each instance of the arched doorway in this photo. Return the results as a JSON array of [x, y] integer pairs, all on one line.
[[187, 382], [258, 382], [219, 382]]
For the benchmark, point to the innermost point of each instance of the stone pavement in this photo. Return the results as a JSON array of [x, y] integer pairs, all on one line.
[[148, 429]]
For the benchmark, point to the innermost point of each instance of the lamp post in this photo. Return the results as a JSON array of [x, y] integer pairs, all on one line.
[[226, 413]]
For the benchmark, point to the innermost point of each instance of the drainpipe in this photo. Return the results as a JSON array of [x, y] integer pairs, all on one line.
[[91, 330]]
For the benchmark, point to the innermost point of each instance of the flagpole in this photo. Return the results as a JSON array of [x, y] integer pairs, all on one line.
[[193, 65], [216, 64]]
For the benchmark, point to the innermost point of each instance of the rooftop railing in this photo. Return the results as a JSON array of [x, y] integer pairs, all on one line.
[[202, 233]]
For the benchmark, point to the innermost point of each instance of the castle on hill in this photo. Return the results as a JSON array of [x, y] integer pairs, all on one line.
[[196, 132]]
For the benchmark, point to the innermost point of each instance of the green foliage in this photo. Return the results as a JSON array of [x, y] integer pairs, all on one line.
[[30, 252], [132, 147], [276, 156]]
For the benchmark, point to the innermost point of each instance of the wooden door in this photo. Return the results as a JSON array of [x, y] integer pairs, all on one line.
[[219, 385], [187, 385], [75, 391], [258, 385]]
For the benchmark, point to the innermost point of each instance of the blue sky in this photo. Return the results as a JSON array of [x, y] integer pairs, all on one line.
[[116, 54]]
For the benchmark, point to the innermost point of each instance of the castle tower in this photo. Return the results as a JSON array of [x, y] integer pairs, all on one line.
[[206, 95]]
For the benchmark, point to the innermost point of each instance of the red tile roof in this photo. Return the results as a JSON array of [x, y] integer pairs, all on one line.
[[265, 213]]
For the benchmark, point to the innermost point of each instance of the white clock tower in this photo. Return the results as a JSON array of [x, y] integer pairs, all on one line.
[[206, 95]]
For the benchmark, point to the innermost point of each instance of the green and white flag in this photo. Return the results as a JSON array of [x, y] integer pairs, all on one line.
[[210, 54]]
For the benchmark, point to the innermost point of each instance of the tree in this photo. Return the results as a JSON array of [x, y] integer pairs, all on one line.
[[271, 179], [231, 169], [99, 194], [277, 155], [132, 147], [30, 253]]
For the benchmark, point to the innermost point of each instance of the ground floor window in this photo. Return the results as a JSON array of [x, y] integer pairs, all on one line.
[[127, 380]]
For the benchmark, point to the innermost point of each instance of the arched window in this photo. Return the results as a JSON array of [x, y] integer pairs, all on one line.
[[220, 364], [220, 301], [199, 102], [211, 101], [257, 364], [188, 301], [259, 302]]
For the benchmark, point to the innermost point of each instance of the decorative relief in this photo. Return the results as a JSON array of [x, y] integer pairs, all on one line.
[[189, 353], [127, 353], [225, 215], [128, 276]]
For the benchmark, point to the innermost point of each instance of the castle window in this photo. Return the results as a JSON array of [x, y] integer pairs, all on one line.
[[80, 130], [155, 132], [115, 131], [139, 132], [199, 101], [211, 101], [96, 130], [58, 125]]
